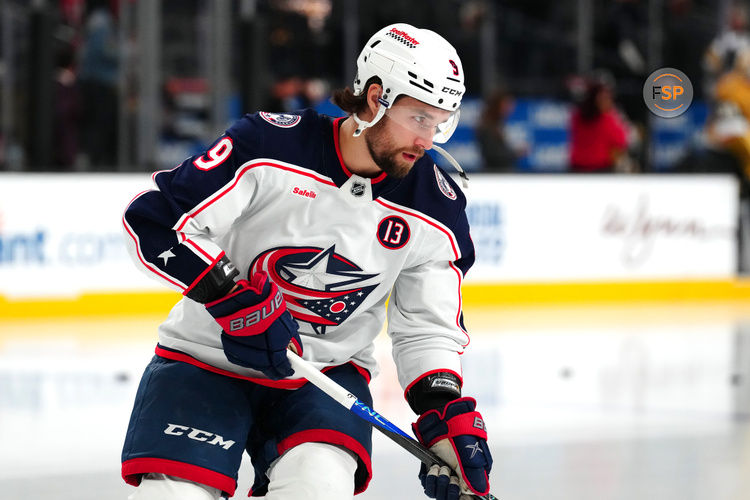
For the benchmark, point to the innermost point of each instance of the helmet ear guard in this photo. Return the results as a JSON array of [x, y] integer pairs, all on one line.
[[362, 125]]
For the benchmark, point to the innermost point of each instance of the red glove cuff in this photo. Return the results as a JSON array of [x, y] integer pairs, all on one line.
[[470, 423], [254, 319]]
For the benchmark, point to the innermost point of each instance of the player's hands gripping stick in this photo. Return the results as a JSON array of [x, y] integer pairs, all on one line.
[[457, 435], [257, 328]]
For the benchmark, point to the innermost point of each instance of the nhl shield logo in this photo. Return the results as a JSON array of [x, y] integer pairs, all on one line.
[[358, 189], [281, 119], [445, 188]]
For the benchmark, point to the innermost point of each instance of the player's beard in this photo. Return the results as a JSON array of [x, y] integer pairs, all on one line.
[[386, 155]]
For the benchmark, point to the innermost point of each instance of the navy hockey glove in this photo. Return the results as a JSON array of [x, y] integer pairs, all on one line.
[[458, 436], [257, 328]]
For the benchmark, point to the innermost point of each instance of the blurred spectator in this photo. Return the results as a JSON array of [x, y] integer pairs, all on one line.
[[316, 90], [728, 138], [98, 75], [497, 153], [598, 136], [730, 124], [621, 44], [735, 38], [293, 47], [67, 111], [287, 94], [292, 92], [712, 154], [729, 134]]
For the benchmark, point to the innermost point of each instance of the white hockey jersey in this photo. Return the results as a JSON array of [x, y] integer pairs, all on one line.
[[274, 194]]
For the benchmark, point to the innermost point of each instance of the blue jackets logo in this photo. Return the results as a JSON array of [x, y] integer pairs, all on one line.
[[320, 286]]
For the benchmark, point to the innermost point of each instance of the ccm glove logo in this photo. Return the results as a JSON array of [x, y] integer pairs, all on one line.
[[257, 315]]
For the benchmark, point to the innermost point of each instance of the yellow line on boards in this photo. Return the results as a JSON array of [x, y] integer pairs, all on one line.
[[598, 292], [474, 294], [99, 304]]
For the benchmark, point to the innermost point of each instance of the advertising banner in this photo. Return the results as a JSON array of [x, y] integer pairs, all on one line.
[[589, 228], [61, 235]]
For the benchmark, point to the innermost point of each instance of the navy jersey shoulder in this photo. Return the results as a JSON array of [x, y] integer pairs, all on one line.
[[429, 190], [298, 139]]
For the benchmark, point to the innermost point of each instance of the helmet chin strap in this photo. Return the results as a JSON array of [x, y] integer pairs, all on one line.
[[362, 125]]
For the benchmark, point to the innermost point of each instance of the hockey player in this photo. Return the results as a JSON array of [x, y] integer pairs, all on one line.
[[294, 230]]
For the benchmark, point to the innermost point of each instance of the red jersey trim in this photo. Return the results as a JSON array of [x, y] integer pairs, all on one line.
[[295, 383], [454, 247], [205, 272], [397, 208], [133, 470], [238, 175], [205, 254], [460, 302]]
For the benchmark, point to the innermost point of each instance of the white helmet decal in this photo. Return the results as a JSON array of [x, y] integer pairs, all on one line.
[[415, 62]]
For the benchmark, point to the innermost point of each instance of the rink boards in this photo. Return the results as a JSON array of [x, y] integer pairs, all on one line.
[[538, 239]]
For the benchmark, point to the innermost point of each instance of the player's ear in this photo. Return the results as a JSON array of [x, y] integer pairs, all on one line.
[[374, 91]]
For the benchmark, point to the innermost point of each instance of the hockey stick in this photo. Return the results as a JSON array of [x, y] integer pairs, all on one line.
[[351, 403]]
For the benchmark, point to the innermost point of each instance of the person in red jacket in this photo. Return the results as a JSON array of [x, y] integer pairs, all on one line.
[[597, 133]]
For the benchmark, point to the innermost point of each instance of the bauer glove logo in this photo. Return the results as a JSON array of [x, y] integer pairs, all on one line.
[[479, 423], [257, 315]]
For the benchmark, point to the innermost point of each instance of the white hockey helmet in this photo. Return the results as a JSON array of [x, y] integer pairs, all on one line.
[[415, 62]]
